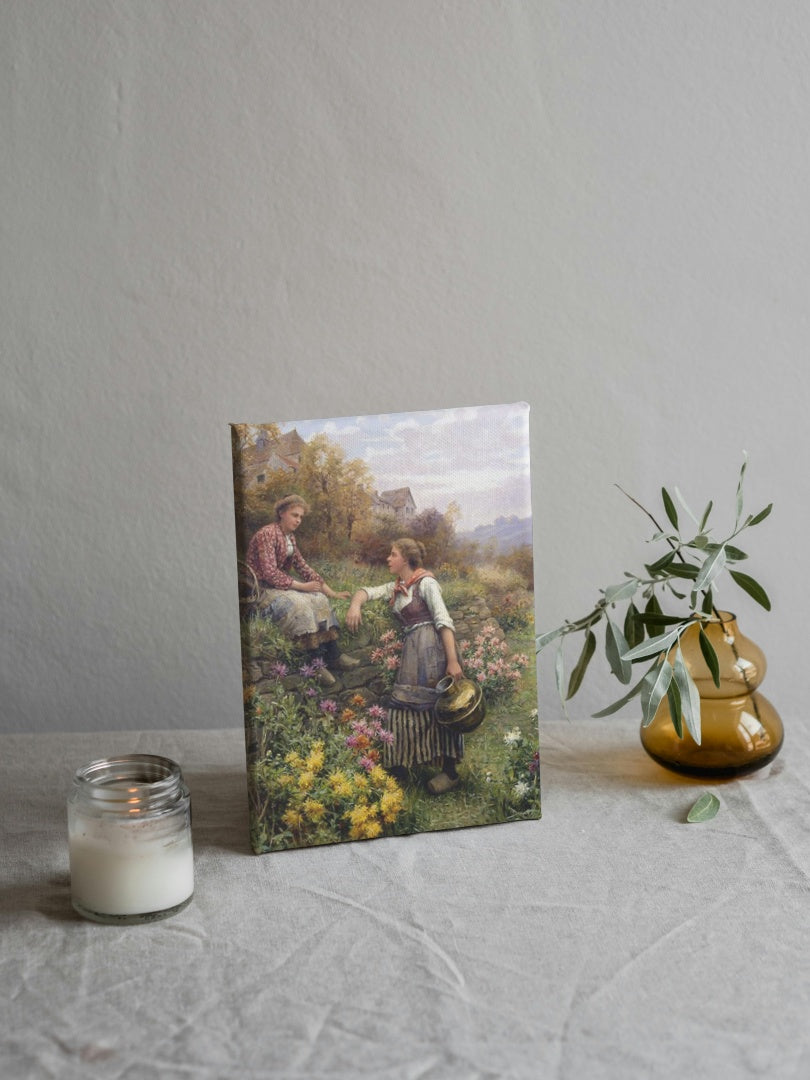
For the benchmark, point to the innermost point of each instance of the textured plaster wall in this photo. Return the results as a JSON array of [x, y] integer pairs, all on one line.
[[232, 211]]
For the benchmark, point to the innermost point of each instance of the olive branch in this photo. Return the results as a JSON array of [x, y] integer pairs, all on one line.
[[693, 563]]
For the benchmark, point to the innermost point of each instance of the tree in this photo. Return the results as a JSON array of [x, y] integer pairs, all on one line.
[[339, 494]]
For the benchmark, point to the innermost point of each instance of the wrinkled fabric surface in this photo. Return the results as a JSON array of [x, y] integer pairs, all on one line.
[[610, 939]]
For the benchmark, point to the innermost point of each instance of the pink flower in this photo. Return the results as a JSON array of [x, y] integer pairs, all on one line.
[[279, 670], [327, 705], [377, 712]]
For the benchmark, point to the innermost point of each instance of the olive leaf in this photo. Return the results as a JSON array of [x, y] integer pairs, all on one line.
[[684, 570], [711, 568], [654, 685], [654, 645], [615, 648], [577, 675], [704, 520], [546, 639], [704, 809], [669, 507], [740, 489], [633, 628], [753, 588], [690, 698], [683, 503], [615, 593], [559, 672], [755, 520], [710, 656], [674, 702]]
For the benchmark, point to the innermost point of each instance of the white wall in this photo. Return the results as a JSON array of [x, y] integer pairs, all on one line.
[[240, 211]]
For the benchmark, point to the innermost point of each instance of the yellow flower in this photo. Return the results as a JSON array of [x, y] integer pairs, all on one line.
[[294, 759], [365, 825], [359, 814], [286, 780], [292, 819], [390, 805], [378, 775], [314, 762], [305, 781], [361, 781], [340, 784], [314, 810]]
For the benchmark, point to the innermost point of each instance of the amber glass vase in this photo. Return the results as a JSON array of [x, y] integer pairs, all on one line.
[[740, 729]]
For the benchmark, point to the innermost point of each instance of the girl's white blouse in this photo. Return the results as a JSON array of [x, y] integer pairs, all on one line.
[[431, 593]]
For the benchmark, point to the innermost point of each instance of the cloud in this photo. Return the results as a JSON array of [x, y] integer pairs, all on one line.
[[476, 456]]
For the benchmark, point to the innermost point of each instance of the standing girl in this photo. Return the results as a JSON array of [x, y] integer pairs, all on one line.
[[428, 654]]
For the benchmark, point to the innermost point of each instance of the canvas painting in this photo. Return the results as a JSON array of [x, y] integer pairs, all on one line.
[[387, 617]]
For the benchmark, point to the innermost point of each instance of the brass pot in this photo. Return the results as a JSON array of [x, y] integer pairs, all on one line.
[[460, 706]]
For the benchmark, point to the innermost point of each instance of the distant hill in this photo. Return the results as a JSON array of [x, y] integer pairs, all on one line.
[[507, 532]]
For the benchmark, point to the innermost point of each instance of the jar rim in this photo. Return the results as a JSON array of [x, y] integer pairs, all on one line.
[[146, 780]]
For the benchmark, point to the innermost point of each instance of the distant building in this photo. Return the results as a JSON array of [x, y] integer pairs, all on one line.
[[399, 502], [268, 455]]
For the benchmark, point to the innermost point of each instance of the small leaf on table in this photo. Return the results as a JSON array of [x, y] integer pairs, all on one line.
[[704, 809]]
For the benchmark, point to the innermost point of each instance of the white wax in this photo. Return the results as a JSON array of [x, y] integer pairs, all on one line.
[[129, 868]]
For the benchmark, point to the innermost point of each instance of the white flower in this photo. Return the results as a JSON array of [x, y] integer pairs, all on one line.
[[533, 714], [488, 777], [513, 737], [521, 789]]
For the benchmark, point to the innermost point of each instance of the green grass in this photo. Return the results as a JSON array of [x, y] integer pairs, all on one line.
[[477, 801]]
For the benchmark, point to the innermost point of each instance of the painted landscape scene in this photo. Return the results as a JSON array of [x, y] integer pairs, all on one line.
[[385, 575]]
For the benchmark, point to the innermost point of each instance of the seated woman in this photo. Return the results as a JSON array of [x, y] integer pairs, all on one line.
[[428, 654], [300, 605]]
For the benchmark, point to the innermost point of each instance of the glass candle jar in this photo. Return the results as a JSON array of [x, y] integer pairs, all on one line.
[[129, 836]]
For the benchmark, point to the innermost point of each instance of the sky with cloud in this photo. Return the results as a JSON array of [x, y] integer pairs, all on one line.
[[477, 457]]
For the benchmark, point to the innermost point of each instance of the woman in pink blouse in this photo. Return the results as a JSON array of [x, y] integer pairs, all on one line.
[[300, 605]]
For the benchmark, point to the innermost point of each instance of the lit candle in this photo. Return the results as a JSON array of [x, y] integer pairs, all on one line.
[[129, 835]]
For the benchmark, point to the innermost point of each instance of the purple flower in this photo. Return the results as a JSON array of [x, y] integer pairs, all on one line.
[[311, 691], [307, 670], [327, 705], [278, 669], [367, 763], [318, 664]]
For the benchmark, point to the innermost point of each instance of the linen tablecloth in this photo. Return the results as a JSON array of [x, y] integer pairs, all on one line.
[[609, 939]]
